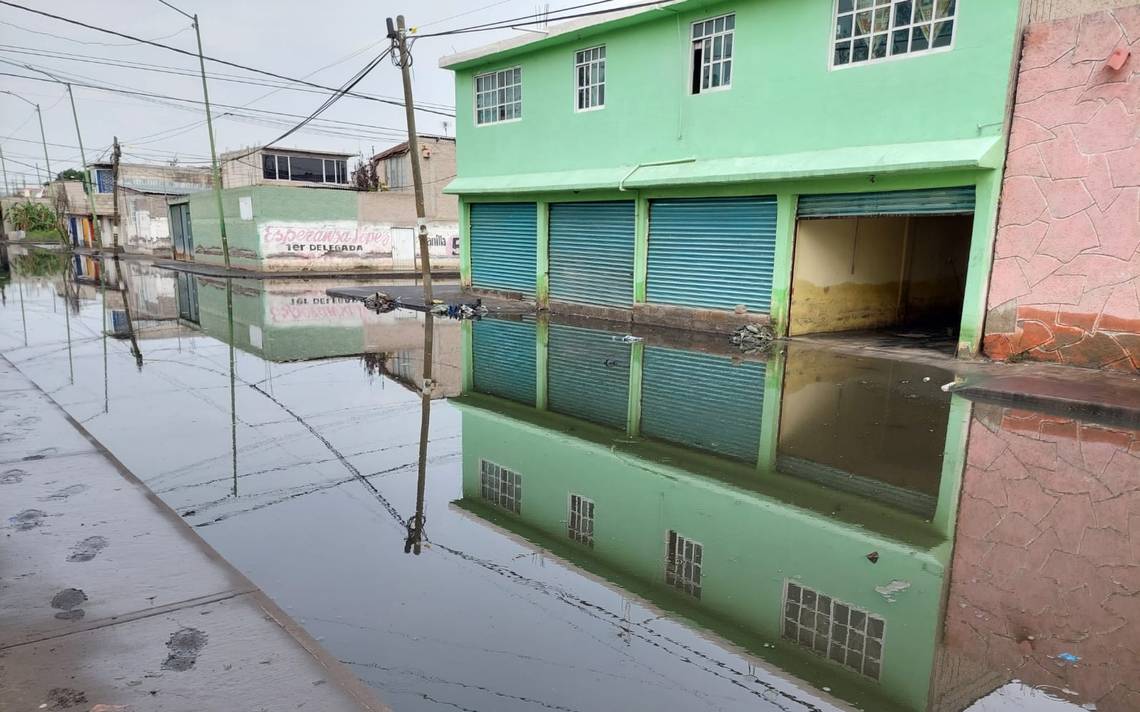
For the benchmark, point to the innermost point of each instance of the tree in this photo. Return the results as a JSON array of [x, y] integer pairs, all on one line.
[[71, 174], [33, 217]]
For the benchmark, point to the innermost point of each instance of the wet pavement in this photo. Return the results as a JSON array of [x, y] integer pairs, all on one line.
[[664, 524]]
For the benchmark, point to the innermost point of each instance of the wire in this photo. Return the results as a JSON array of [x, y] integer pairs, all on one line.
[[532, 20], [219, 61], [100, 44], [461, 14], [187, 72]]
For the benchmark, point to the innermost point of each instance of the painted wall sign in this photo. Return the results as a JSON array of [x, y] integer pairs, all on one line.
[[343, 239], [312, 308]]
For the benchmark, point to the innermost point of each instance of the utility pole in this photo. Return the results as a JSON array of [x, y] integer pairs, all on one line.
[[399, 37], [43, 137], [4, 166], [217, 174], [86, 173], [116, 154]]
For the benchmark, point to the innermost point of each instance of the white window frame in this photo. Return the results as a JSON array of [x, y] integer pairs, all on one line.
[[581, 534], [601, 86], [497, 498], [831, 625], [832, 40], [691, 585], [339, 176], [731, 58], [475, 96]]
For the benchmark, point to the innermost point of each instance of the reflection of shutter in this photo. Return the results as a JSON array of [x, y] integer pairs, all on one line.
[[937, 201], [589, 375], [503, 353], [591, 252], [712, 253], [504, 247], [834, 478], [703, 401]]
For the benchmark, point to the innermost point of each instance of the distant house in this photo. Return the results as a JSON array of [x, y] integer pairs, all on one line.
[[300, 210], [437, 167]]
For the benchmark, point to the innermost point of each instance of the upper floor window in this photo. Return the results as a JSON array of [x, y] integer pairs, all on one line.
[[104, 180], [498, 96], [838, 630], [590, 71], [871, 30], [304, 169], [712, 53], [396, 170]]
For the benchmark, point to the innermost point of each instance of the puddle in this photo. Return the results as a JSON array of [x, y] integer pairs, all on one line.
[[602, 522]]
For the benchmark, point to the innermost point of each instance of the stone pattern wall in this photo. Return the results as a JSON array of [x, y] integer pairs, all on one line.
[[1067, 264], [1047, 555]]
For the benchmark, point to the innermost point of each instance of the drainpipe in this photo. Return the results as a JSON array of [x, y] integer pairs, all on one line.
[[621, 183]]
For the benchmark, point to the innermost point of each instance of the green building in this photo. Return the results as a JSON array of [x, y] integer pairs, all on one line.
[[825, 165], [721, 488]]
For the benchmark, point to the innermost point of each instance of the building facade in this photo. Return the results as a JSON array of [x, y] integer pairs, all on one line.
[[1066, 273], [393, 168], [285, 166], [824, 165]]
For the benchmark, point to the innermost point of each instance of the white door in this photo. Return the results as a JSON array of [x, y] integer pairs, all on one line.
[[403, 247]]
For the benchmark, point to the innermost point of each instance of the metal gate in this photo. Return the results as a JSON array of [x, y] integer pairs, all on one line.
[[504, 246], [702, 401], [591, 252], [588, 375], [712, 253], [503, 354], [182, 238], [936, 201]]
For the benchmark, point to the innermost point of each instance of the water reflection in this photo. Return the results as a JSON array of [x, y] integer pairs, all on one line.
[[605, 522]]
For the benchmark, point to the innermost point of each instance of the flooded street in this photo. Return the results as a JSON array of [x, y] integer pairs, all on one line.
[[652, 523]]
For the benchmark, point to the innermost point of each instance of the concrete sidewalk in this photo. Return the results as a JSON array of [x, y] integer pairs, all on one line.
[[108, 598]]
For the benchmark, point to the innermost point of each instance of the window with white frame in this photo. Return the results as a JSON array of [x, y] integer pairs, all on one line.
[[837, 630], [590, 78], [500, 486], [871, 30], [683, 564], [498, 96], [712, 53], [580, 525]]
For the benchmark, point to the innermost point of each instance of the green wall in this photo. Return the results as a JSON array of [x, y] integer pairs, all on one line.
[[270, 204], [752, 544], [783, 99]]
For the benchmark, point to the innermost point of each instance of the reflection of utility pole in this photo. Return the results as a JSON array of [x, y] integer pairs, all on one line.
[[399, 37], [233, 376], [67, 277], [23, 318], [125, 291], [416, 523]]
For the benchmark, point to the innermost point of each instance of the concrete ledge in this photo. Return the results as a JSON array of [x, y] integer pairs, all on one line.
[[690, 319], [591, 311]]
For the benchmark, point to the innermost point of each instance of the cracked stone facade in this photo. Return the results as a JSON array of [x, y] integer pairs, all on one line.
[[1047, 555], [1065, 285]]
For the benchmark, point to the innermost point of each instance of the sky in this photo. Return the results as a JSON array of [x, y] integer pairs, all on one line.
[[324, 42]]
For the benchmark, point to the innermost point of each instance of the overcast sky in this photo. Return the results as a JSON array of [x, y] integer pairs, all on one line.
[[327, 42]]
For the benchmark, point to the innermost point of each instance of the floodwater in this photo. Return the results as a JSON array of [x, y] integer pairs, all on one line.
[[654, 524]]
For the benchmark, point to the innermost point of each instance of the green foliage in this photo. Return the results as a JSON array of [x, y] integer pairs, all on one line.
[[71, 174], [33, 217], [40, 263]]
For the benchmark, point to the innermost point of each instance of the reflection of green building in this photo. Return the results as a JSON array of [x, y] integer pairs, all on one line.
[[660, 468]]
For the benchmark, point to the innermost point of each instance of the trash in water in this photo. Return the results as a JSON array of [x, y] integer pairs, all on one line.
[[753, 337], [873, 557], [888, 592], [1069, 657], [628, 339]]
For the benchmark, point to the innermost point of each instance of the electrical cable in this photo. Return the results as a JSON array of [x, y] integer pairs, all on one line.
[[531, 20], [216, 60]]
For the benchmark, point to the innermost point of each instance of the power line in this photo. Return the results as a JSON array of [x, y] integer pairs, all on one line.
[[218, 61], [532, 20], [177, 71], [82, 42], [379, 130]]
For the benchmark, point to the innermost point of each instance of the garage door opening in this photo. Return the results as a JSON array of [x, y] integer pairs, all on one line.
[[903, 276]]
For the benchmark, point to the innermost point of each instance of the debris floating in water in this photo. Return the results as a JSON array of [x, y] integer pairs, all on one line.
[[1069, 657], [753, 337]]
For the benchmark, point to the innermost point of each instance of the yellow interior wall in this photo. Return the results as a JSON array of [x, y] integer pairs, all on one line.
[[865, 273]]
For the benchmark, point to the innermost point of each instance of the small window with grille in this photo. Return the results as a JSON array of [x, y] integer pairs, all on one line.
[[580, 525], [500, 486], [683, 564], [847, 635]]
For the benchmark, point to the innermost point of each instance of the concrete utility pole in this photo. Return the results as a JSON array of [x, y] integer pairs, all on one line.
[[43, 137], [4, 166], [399, 37], [116, 154], [86, 173], [217, 174]]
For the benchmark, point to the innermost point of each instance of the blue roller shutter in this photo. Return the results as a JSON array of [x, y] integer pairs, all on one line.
[[703, 401], [591, 253], [937, 201], [504, 246], [503, 355], [712, 253], [588, 375]]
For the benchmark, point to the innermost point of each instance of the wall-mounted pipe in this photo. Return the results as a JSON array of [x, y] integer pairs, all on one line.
[[621, 183]]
